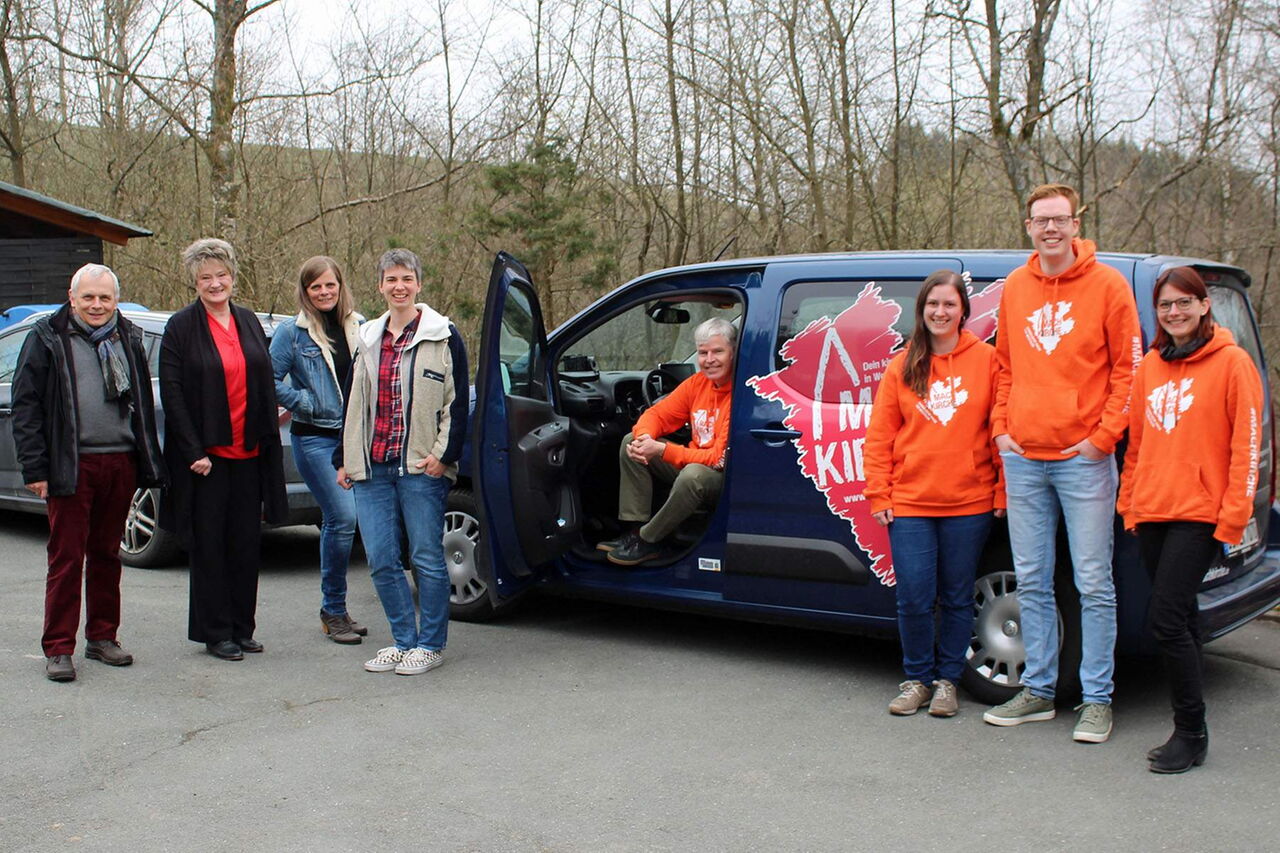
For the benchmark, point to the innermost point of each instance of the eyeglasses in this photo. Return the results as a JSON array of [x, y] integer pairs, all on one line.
[[1164, 306], [1043, 221]]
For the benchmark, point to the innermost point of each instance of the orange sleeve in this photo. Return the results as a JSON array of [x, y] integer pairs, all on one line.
[[668, 414], [1001, 500], [1244, 407], [1124, 347], [1137, 423], [1004, 377], [877, 450]]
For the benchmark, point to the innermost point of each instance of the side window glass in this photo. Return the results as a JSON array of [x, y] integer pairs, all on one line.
[[1231, 309], [649, 334], [518, 345], [10, 347], [153, 355], [885, 316]]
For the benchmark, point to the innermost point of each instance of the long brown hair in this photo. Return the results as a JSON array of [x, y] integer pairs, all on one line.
[[1189, 282], [312, 269], [915, 367]]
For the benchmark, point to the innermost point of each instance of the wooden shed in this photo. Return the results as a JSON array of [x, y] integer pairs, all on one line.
[[43, 241]]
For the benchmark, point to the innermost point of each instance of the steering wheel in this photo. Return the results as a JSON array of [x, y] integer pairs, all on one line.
[[658, 383]]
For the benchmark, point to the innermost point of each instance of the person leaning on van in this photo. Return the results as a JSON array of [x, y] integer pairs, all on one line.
[[933, 477], [1190, 474]]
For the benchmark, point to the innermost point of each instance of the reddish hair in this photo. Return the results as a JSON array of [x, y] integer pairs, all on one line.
[[1052, 191], [1189, 282]]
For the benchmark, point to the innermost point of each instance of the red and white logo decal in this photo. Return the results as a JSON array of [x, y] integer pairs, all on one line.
[[833, 369]]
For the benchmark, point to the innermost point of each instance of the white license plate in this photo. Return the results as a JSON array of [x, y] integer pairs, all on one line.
[[1249, 541]]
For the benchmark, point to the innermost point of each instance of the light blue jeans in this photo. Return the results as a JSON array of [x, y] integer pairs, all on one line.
[[385, 502], [313, 454], [1085, 491]]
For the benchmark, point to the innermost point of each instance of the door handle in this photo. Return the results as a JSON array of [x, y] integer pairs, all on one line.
[[775, 434]]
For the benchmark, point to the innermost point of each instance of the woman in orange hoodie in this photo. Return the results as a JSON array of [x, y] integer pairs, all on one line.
[[933, 478], [1188, 486]]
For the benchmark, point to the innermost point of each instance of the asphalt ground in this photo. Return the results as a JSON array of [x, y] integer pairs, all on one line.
[[574, 726]]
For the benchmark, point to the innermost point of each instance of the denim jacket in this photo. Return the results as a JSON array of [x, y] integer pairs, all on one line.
[[313, 392]]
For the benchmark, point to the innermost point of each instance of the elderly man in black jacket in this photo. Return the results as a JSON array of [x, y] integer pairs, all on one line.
[[85, 428]]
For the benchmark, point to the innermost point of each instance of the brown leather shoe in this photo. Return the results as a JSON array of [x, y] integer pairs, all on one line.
[[339, 628], [357, 627], [107, 651], [59, 668]]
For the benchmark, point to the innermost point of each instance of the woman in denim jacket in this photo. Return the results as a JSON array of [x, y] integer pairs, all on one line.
[[314, 351]]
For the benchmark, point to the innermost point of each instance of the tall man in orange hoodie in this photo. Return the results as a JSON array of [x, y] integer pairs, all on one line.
[[1068, 342], [695, 472]]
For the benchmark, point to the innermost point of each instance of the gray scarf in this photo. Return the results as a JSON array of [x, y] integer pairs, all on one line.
[[111, 358]]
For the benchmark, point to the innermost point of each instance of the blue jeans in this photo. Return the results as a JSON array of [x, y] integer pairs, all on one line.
[[935, 560], [386, 502], [1085, 491], [313, 454]]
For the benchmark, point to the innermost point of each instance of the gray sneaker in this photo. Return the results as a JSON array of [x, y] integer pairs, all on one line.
[[1022, 708], [945, 703], [914, 695], [1094, 723]]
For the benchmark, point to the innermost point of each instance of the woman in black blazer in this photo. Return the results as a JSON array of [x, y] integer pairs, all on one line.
[[222, 443]]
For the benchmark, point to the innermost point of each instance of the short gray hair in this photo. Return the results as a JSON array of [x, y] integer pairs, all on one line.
[[708, 329], [93, 271], [400, 258], [209, 249]]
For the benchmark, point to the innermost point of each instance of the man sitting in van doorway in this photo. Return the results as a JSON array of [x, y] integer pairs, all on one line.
[[696, 471]]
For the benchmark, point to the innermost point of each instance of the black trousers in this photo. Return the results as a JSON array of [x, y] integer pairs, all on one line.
[[226, 528], [1176, 555]]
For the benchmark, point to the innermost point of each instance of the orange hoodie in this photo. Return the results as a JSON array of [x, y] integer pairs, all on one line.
[[705, 408], [1068, 346], [934, 457], [1194, 438]]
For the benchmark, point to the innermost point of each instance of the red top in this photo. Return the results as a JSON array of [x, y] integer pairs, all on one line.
[[227, 342]]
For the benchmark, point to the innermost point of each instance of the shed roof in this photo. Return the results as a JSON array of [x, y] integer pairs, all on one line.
[[25, 202]]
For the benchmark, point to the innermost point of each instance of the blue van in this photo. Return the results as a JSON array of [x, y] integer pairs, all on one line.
[[791, 539]]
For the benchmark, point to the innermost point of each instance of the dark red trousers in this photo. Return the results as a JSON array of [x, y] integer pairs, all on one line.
[[84, 545]]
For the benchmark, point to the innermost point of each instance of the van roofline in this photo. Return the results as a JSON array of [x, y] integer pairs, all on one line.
[[923, 254]]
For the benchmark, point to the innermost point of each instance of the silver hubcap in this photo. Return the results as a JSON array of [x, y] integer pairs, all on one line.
[[461, 537], [140, 525], [996, 651]]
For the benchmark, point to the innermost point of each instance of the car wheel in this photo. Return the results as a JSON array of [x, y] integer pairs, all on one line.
[[144, 544], [468, 583], [997, 657]]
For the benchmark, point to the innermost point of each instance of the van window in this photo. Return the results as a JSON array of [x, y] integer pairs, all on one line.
[[1231, 309], [518, 347], [805, 302], [652, 333]]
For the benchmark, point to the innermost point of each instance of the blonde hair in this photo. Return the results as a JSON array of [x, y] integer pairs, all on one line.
[[209, 249]]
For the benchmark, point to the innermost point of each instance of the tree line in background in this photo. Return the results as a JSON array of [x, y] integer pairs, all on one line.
[[598, 139]]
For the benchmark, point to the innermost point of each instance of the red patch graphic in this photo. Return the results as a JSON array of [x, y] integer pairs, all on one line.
[[833, 369]]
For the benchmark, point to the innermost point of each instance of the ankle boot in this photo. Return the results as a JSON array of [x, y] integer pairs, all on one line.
[[1183, 751], [1156, 751]]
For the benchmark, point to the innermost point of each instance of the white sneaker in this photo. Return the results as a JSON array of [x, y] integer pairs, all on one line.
[[418, 661], [385, 660]]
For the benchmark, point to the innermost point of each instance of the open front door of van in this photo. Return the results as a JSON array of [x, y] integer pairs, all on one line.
[[528, 499]]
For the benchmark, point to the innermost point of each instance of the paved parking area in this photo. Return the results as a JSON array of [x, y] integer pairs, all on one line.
[[579, 727]]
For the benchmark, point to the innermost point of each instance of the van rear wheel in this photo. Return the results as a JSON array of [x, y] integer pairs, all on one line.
[[468, 585]]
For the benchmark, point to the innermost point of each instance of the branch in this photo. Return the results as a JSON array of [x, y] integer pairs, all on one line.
[[360, 202]]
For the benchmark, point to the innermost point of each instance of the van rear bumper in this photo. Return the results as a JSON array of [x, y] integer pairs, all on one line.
[[1227, 607]]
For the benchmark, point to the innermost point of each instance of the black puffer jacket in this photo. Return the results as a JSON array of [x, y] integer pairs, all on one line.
[[45, 426]]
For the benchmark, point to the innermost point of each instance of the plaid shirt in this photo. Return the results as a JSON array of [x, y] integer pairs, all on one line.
[[388, 420]]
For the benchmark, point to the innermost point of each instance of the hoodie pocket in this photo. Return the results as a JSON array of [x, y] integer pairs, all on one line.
[[1045, 415], [1172, 490], [933, 476]]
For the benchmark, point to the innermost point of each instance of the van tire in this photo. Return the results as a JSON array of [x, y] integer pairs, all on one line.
[[469, 579]]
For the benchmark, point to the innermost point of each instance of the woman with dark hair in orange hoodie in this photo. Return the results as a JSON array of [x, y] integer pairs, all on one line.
[[1188, 486], [933, 477]]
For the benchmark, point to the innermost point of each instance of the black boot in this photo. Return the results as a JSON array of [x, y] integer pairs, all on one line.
[[1156, 751], [1182, 752]]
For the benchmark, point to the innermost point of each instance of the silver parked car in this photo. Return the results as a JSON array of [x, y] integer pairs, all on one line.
[[144, 543]]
